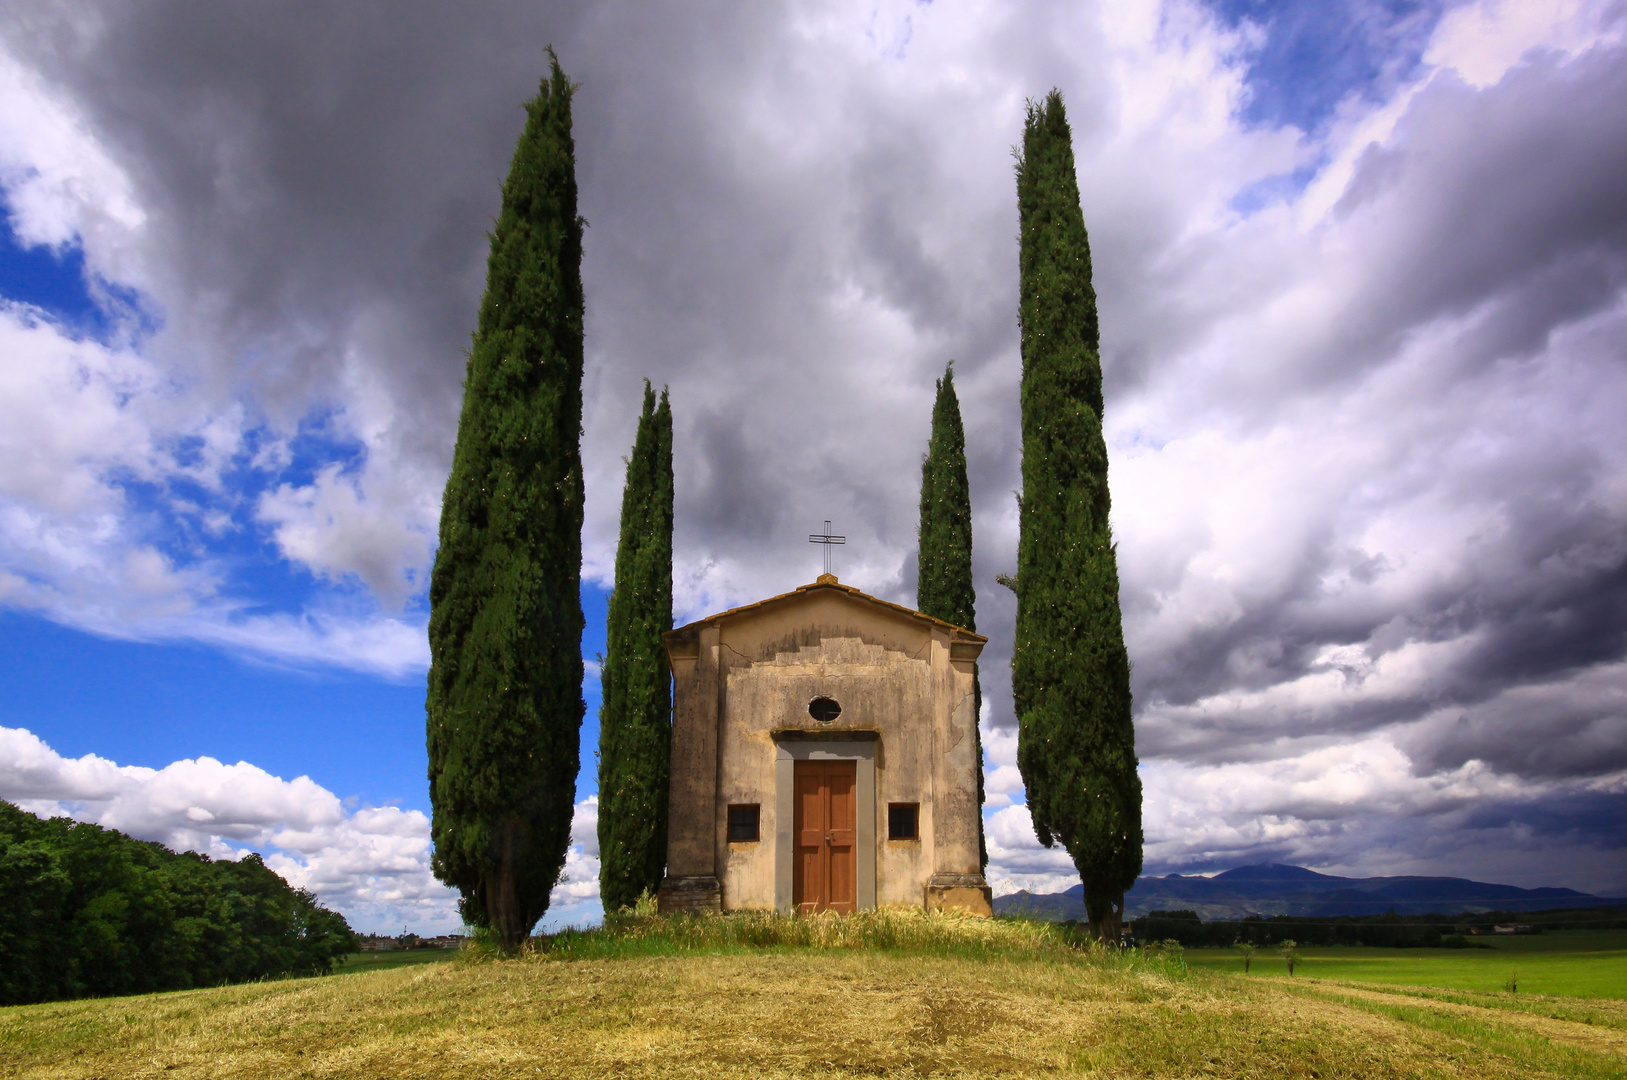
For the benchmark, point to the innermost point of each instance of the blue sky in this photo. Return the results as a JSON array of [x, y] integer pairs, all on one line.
[[53, 281], [1360, 275], [1312, 56], [149, 704]]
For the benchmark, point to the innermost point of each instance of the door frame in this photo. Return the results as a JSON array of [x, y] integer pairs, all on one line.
[[828, 864], [793, 746]]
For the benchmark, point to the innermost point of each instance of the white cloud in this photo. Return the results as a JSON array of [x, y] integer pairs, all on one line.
[[394, 648], [1481, 41], [62, 185], [71, 411], [1002, 782], [82, 420], [1016, 859], [331, 526], [79, 420], [371, 863], [575, 900]]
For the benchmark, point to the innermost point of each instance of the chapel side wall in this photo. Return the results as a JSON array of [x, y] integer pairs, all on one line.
[[691, 880], [767, 682], [904, 865], [957, 879]]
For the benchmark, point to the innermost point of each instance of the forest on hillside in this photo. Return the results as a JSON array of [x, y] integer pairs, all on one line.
[[87, 911]]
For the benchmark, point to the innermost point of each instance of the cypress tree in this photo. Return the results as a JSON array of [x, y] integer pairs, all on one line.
[[1070, 671], [944, 584], [505, 627], [635, 716]]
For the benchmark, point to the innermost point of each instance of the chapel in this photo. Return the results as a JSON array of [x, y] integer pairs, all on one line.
[[823, 758]]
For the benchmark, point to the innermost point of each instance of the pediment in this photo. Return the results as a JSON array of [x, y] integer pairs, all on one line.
[[825, 607]]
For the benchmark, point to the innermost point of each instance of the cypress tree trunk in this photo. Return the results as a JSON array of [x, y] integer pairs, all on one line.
[[635, 718], [944, 586], [505, 626], [1070, 672]]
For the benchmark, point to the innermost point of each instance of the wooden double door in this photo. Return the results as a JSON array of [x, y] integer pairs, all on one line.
[[824, 875]]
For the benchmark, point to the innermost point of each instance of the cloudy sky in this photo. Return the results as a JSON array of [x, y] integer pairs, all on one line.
[[1362, 268]]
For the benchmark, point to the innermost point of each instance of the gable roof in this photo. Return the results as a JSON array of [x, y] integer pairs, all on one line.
[[828, 582]]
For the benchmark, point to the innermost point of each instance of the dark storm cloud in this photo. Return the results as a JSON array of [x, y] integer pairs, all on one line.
[[1552, 602], [319, 181], [1532, 839], [1503, 211], [322, 177], [1497, 717], [1573, 727], [1505, 187], [1593, 815], [304, 167]]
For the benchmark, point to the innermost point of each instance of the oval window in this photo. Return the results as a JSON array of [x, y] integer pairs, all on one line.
[[824, 709]]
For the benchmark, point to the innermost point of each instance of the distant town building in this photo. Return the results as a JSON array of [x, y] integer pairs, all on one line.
[[384, 943]]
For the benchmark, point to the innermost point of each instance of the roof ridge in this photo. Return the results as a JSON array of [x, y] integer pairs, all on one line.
[[828, 581]]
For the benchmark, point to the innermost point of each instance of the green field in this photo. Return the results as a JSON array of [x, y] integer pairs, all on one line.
[[1573, 963]]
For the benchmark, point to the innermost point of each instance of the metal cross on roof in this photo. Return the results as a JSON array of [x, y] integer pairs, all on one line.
[[827, 539]]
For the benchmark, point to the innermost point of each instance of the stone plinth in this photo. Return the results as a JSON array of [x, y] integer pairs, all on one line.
[[689, 894]]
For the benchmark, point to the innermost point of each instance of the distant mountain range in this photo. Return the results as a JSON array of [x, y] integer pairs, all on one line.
[[1275, 889]]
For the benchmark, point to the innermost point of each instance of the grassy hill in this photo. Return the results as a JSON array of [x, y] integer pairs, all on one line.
[[885, 995]]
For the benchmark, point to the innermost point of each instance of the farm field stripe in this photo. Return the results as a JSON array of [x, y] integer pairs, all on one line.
[[1595, 1011], [1575, 1048]]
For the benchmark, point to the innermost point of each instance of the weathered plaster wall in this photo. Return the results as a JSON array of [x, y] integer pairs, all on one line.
[[753, 673], [881, 690]]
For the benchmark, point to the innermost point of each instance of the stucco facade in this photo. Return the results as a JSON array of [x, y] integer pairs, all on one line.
[[744, 681]]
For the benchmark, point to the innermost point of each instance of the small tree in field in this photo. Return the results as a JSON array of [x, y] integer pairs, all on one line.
[[1247, 949], [1289, 951]]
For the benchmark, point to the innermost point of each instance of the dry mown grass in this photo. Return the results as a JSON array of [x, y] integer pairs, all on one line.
[[719, 1007]]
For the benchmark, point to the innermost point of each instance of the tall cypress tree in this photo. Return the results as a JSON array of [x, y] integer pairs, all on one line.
[[944, 585], [1070, 672], [635, 717], [505, 627]]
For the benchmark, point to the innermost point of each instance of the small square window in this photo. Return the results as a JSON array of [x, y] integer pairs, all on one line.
[[744, 821], [901, 824]]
